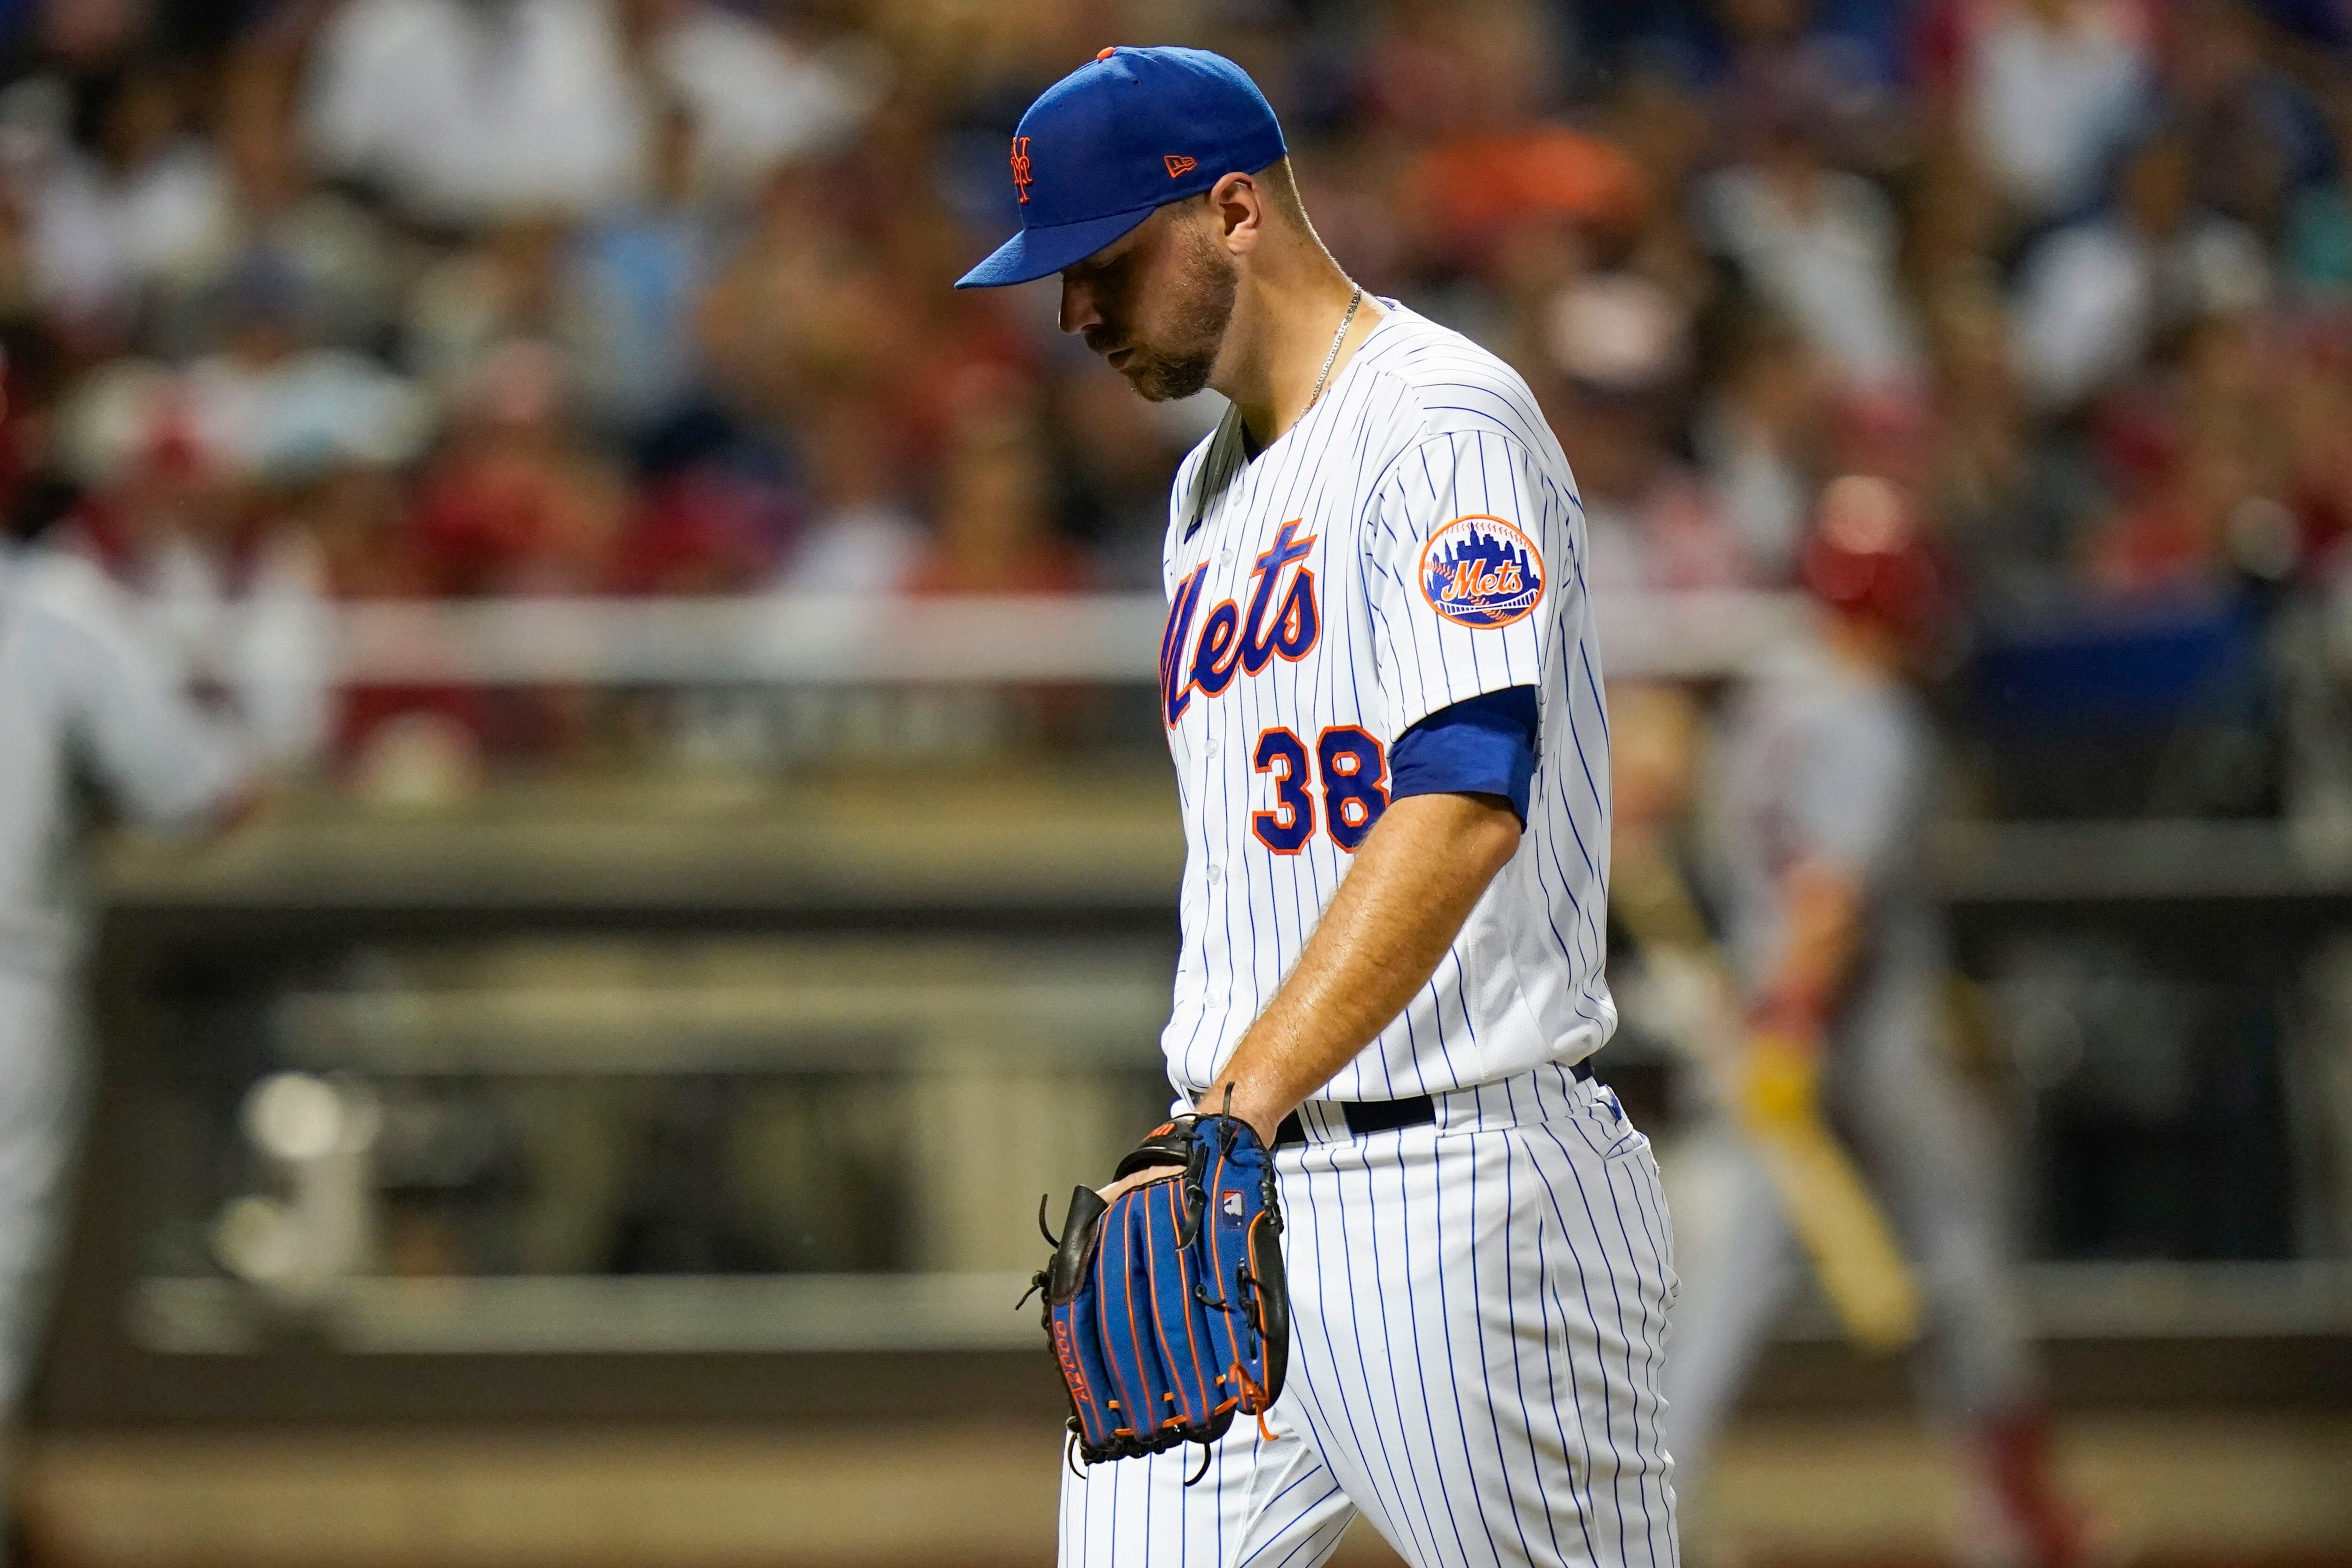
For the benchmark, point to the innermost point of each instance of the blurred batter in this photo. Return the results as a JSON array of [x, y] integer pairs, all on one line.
[[1826, 780]]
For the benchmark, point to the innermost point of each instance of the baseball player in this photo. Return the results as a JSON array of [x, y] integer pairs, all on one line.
[[1383, 694], [79, 692], [1825, 780]]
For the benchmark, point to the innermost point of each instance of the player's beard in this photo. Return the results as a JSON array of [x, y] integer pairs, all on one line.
[[1200, 310]]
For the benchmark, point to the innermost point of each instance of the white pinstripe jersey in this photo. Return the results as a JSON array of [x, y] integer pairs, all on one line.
[[1414, 541]]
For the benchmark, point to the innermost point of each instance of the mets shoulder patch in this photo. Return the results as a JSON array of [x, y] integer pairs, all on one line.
[[1480, 572]]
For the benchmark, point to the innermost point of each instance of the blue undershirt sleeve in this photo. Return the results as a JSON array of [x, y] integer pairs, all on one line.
[[1481, 746]]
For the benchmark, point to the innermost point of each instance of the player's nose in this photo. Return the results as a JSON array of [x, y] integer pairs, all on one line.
[[1079, 311]]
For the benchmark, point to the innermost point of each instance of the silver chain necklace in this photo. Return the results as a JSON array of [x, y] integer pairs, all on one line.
[[1248, 452], [1333, 357]]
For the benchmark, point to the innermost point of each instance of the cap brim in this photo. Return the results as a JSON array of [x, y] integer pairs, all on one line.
[[1041, 252]]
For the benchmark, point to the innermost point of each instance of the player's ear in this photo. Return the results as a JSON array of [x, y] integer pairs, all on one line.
[[1237, 207]]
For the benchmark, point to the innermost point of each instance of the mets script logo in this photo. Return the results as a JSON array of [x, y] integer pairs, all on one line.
[[1481, 571], [1020, 180], [1282, 622]]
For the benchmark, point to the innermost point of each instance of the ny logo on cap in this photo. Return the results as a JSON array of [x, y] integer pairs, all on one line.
[[1179, 165], [1021, 181]]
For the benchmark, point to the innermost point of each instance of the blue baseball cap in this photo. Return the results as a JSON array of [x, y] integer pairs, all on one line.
[[1119, 137]]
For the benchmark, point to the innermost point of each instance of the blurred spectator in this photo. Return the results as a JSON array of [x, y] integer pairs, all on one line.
[[2096, 296], [1620, 352], [518, 503], [1491, 179], [269, 407], [1752, 434], [2046, 90], [341, 258], [2317, 248], [468, 110], [801, 313], [358, 517], [1666, 134], [636, 273], [701, 528], [1818, 243], [2207, 500], [1470, 191], [33, 375], [1778, 53], [2257, 133], [2314, 397], [863, 536], [1438, 70], [2012, 505], [995, 509], [758, 99], [510, 283], [146, 201]]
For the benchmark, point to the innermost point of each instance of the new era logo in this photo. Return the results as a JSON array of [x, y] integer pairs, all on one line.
[[1177, 167]]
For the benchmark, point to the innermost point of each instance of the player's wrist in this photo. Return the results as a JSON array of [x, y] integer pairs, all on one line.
[[1786, 1012], [1245, 1101]]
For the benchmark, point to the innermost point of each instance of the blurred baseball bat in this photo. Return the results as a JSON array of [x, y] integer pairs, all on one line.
[[1771, 1084]]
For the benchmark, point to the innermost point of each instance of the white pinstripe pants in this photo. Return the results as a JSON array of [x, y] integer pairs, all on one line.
[[1479, 1321]]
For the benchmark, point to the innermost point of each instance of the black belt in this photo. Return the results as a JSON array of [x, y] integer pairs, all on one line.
[[1367, 1116]]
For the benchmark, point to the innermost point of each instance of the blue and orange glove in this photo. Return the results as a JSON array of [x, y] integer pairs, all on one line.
[[1167, 1307]]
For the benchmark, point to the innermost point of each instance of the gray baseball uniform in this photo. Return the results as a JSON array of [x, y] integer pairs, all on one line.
[[1819, 762], [76, 686]]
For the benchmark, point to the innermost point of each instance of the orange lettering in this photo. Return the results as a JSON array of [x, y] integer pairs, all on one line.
[[1020, 180]]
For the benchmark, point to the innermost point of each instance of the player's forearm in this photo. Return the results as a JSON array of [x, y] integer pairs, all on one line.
[[1824, 907], [1414, 881]]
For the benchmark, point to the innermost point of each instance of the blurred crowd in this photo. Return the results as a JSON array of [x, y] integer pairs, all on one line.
[[304, 299]]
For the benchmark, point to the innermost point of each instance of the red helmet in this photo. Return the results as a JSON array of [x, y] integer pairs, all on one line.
[[1867, 559]]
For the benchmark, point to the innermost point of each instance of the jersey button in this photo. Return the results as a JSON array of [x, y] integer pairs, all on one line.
[[1209, 749], [1215, 876], [1225, 557]]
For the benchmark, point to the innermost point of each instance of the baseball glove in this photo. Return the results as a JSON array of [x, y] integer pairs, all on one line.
[[1166, 1308]]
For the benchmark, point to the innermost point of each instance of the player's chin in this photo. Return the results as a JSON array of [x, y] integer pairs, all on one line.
[[1160, 381], [1134, 367], [1145, 376]]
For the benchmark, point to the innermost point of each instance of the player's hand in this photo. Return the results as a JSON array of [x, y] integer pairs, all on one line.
[[1779, 1077], [1161, 1156], [1127, 1183], [1224, 1099]]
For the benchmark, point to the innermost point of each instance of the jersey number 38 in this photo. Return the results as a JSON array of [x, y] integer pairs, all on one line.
[[1354, 770]]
